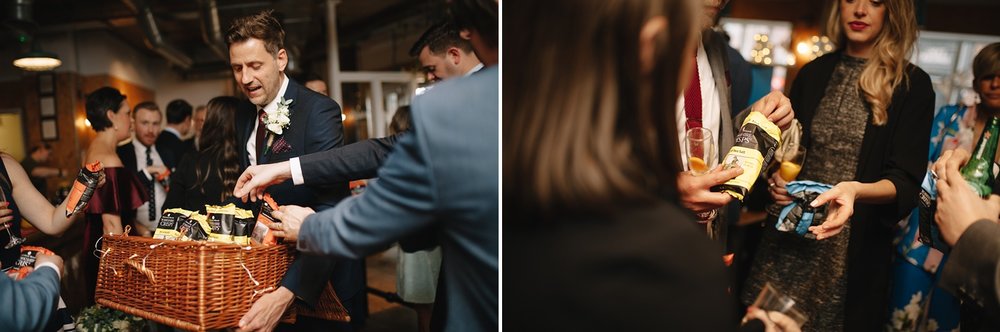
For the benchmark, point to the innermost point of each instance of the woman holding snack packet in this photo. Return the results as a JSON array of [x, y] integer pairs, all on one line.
[[866, 114], [114, 204]]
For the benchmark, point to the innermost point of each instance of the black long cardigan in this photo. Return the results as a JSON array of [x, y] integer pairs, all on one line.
[[896, 151]]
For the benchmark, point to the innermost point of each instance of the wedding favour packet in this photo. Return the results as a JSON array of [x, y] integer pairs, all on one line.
[[170, 222], [220, 220], [83, 188], [26, 262], [195, 228], [262, 230], [242, 227], [753, 150]]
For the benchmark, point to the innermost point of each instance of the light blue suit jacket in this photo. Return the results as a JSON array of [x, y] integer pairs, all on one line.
[[444, 174], [28, 304]]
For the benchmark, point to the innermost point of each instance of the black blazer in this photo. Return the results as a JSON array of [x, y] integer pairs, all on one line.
[[177, 148], [642, 269], [896, 151], [355, 161], [315, 126]]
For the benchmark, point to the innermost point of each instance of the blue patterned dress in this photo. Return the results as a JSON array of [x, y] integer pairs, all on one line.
[[916, 301]]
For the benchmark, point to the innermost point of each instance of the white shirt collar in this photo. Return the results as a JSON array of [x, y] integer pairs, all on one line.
[[173, 131], [474, 69]]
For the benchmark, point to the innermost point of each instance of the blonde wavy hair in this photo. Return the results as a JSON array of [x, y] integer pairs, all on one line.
[[886, 66]]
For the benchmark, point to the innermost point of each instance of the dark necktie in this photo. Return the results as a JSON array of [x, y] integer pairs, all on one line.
[[692, 99], [152, 186], [260, 133]]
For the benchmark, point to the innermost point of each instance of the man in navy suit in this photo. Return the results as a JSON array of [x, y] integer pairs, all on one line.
[[441, 175], [281, 120]]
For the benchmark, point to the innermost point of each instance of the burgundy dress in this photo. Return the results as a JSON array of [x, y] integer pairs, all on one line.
[[121, 194]]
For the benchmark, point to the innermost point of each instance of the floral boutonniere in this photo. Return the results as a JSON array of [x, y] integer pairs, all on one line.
[[277, 120]]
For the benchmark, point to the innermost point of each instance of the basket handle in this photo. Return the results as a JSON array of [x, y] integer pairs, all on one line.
[[141, 267]]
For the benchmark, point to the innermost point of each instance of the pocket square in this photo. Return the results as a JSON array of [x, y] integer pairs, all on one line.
[[280, 146]]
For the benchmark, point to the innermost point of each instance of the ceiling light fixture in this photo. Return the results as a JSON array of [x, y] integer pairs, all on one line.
[[37, 60]]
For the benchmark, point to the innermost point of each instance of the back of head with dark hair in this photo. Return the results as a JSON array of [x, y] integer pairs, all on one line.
[[146, 105], [479, 15], [400, 121], [439, 37], [99, 103], [585, 128], [263, 26], [178, 110], [218, 156]]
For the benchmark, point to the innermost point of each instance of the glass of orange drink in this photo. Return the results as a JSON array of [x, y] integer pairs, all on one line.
[[699, 148], [791, 163]]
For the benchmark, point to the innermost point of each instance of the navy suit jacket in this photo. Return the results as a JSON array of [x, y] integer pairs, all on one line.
[[443, 174], [315, 126]]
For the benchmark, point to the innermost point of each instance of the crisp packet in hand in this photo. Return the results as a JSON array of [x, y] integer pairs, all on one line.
[[26, 262], [83, 188]]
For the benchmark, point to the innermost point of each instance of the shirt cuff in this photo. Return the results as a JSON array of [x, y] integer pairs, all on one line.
[[296, 169], [50, 265], [146, 173]]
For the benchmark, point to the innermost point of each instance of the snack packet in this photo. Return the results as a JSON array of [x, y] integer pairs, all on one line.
[[220, 220], [26, 263], [83, 188], [170, 221], [195, 228], [241, 227], [262, 230], [754, 149]]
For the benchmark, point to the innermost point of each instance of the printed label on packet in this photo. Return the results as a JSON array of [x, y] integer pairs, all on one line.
[[220, 220], [241, 227], [748, 159], [195, 228], [170, 221], [262, 230]]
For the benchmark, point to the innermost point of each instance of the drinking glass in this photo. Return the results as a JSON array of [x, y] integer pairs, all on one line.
[[14, 239], [770, 299], [699, 146], [791, 163]]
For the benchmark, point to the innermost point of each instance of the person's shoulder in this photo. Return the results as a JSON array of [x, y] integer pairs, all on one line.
[[824, 62], [9, 159], [468, 91], [106, 159], [918, 78]]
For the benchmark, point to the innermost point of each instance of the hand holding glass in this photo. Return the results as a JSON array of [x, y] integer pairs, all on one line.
[[14, 239], [699, 146], [770, 299]]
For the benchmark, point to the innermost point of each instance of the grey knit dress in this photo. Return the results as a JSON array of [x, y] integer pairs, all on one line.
[[812, 272]]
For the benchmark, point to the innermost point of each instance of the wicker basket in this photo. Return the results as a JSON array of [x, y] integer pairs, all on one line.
[[189, 285]]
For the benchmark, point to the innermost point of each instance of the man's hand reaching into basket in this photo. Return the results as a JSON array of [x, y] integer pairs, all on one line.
[[291, 217], [266, 312]]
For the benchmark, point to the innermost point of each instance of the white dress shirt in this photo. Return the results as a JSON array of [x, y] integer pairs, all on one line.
[[271, 106], [711, 112], [142, 212]]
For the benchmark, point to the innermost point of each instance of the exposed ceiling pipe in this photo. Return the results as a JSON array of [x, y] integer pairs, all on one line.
[[20, 10], [211, 28], [154, 39]]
